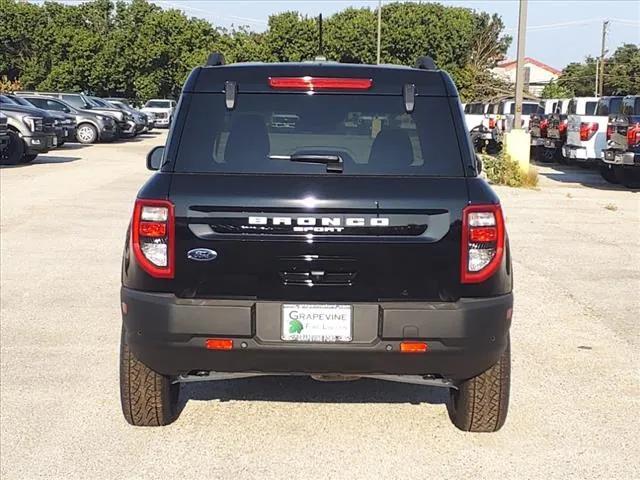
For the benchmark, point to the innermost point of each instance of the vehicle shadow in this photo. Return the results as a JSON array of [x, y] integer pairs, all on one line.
[[73, 146], [302, 389], [43, 159], [588, 177]]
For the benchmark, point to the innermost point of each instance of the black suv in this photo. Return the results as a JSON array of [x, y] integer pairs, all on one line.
[[355, 239]]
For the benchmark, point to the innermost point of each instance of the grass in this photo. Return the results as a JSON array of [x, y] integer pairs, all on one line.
[[501, 170]]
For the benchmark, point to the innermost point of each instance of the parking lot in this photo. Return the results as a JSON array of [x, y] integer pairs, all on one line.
[[575, 338]]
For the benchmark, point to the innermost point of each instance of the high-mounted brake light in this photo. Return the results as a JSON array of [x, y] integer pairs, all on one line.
[[320, 83], [482, 242], [153, 237], [588, 130]]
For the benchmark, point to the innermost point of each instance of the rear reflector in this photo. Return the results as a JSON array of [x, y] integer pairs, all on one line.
[[153, 229], [413, 347], [320, 83], [219, 344]]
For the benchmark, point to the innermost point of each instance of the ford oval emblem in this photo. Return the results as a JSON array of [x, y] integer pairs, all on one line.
[[202, 254]]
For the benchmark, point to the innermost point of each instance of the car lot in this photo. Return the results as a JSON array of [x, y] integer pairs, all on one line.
[[575, 385]]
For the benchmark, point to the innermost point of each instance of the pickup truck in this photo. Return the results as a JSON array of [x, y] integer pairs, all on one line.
[[323, 249], [500, 117], [621, 158], [162, 111], [538, 124], [31, 132], [4, 134], [91, 127], [555, 126], [474, 115], [587, 132]]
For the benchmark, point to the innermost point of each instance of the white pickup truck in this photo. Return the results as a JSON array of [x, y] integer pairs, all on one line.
[[474, 114], [587, 132]]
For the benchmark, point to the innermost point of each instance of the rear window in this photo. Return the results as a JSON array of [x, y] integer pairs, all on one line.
[[372, 134], [631, 106], [527, 108], [158, 104]]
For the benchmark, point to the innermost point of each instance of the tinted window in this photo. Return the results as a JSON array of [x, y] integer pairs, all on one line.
[[158, 104], [372, 134], [527, 108], [6, 100], [571, 109], [74, 100], [590, 108]]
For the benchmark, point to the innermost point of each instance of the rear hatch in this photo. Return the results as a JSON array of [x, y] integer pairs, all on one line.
[[350, 199], [557, 126]]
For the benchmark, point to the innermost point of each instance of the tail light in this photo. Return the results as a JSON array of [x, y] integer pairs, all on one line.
[[320, 83], [610, 130], [492, 123], [633, 135], [153, 237], [587, 130], [562, 127], [544, 125], [482, 242]]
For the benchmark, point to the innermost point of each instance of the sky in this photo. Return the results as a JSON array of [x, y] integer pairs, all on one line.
[[558, 32]]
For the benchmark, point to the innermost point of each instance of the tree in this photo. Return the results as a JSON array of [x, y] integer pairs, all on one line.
[[139, 50], [553, 90]]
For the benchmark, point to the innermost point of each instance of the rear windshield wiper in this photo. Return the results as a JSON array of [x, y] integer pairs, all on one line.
[[334, 163]]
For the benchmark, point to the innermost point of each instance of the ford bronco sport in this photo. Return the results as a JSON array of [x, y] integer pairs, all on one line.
[[353, 240]]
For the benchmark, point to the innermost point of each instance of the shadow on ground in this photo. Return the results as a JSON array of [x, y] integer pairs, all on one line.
[[301, 389], [588, 177], [43, 159]]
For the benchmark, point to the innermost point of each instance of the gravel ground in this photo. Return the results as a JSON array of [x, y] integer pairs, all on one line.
[[575, 392]]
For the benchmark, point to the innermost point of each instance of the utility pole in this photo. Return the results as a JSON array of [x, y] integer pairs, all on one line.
[[605, 28], [379, 31], [522, 30]]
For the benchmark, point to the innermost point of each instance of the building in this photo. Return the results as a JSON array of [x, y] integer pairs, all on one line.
[[537, 73]]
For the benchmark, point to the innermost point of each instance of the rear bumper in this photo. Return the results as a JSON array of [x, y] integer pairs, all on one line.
[[464, 338], [614, 157], [578, 153]]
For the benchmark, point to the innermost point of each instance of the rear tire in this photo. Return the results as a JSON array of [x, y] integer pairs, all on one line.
[[28, 158], [609, 173], [86, 133], [549, 155], [481, 403], [148, 398], [629, 176], [14, 151]]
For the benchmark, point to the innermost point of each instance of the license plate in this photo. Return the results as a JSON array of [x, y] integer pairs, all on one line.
[[316, 323]]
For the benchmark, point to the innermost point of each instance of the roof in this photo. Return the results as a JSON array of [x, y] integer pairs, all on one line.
[[508, 64], [254, 77]]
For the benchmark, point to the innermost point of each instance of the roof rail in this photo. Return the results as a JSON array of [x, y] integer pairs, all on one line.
[[426, 63], [215, 59]]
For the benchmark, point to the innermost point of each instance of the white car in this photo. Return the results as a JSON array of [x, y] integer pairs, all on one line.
[[162, 111]]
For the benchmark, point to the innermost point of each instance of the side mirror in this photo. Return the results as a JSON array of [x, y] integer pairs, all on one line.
[[155, 157], [478, 164]]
